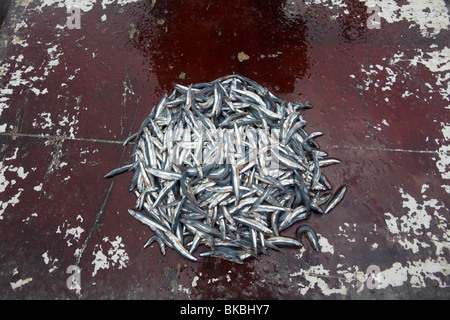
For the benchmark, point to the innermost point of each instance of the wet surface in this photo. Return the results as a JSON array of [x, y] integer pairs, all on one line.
[[69, 97]]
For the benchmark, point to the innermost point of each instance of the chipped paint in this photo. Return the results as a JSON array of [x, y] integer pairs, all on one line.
[[437, 62], [325, 245], [46, 121], [411, 230], [19, 283], [381, 76], [419, 228], [315, 278], [115, 256], [194, 281], [50, 261], [443, 162], [377, 76], [38, 187], [72, 234], [414, 273], [5, 167]]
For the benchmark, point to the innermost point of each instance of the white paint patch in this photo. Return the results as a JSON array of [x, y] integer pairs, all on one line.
[[437, 61], [11, 202], [49, 261], [116, 255], [100, 260], [71, 124], [431, 16], [443, 164], [315, 278], [84, 5], [124, 2], [37, 92], [25, 77], [411, 229], [422, 224], [180, 288], [46, 121], [411, 273], [330, 4], [347, 230], [20, 283], [378, 77], [337, 7]]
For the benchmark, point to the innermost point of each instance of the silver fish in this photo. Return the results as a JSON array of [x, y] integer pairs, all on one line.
[[228, 166], [336, 199]]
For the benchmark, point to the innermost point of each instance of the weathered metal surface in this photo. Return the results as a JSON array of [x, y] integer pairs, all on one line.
[[70, 96]]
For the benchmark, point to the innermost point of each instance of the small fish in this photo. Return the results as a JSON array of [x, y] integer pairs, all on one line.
[[336, 199], [160, 243], [147, 220], [176, 243], [252, 223], [283, 241], [310, 235], [162, 174], [236, 182], [223, 255]]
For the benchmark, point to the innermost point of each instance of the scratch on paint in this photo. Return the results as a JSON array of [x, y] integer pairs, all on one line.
[[6, 182]]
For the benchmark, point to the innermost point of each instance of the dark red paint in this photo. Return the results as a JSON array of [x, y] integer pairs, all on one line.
[[122, 67]]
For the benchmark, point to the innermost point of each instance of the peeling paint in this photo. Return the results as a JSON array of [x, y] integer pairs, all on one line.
[[19, 283], [421, 226], [411, 229], [38, 187], [115, 256], [49, 261], [316, 279], [415, 273], [72, 234]]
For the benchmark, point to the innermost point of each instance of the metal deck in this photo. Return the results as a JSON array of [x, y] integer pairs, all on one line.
[[76, 82]]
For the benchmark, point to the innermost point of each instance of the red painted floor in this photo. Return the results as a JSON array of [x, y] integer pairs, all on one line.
[[69, 97]]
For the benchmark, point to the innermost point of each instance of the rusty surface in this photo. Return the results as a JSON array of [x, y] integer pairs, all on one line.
[[69, 97]]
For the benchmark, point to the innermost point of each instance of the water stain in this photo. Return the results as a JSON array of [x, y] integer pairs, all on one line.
[[206, 40]]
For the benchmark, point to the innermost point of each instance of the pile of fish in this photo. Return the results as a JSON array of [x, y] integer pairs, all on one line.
[[222, 168]]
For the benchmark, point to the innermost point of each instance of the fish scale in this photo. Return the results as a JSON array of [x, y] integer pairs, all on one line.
[[222, 168]]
